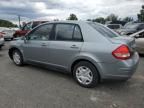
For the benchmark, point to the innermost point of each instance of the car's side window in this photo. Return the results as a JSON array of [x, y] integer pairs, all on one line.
[[64, 32], [43, 33], [77, 34]]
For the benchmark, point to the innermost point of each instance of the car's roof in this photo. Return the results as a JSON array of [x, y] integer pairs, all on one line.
[[72, 22], [68, 21]]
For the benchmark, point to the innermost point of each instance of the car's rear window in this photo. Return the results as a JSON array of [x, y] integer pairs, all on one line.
[[103, 30], [132, 26], [113, 26]]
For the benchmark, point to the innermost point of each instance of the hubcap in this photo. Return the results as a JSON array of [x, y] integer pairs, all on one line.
[[16, 58], [84, 75]]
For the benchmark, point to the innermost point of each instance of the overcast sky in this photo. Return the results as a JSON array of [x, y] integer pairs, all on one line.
[[60, 9]]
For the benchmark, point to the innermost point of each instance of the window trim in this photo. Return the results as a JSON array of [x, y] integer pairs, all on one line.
[[80, 33], [54, 32]]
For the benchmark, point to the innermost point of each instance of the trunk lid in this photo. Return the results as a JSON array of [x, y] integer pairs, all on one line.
[[129, 41]]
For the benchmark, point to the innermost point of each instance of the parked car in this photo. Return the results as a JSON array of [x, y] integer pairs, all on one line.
[[88, 50], [26, 28], [114, 27], [8, 34], [131, 28], [14, 28], [1, 40], [3, 28], [139, 39]]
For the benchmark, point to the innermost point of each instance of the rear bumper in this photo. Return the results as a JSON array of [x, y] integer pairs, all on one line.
[[121, 70]]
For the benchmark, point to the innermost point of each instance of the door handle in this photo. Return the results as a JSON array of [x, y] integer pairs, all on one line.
[[74, 46]]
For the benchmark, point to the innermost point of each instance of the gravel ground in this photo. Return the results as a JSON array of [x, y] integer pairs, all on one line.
[[35, 87]]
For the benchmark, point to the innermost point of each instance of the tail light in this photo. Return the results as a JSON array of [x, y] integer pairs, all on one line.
[[122, 52]]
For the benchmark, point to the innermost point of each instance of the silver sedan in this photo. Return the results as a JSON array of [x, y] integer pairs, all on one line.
[[90, 51]]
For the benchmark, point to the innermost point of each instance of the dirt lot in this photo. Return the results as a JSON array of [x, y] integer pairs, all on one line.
[[35, 87]]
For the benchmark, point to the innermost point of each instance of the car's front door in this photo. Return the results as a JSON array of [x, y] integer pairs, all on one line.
[[35, 47], [65, 44]]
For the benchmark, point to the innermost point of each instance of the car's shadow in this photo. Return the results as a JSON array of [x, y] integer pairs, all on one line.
[[107, 84], [48, 70], [110, 84]]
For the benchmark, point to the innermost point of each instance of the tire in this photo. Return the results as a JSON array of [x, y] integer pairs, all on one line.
[[86, 74], [19, 60], [141, 55]]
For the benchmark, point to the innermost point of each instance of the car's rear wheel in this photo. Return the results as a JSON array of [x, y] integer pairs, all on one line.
[[17, 57], [86, 74]]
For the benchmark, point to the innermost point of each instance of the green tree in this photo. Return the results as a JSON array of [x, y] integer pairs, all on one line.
[[99, 20], [141, 14], [112, 17], [5, 23], [72, 17], [128, 19]]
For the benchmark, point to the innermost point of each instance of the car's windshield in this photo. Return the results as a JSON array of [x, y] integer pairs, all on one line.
[[103, 30], [131, 26]]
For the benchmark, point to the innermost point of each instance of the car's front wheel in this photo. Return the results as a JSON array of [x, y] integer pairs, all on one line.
[[86, 74], [17, 57]]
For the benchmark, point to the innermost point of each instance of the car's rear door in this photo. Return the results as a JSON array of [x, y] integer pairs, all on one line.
[[65, 44]]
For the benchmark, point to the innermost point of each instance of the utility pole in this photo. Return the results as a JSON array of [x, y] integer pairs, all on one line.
[[19, 20]]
